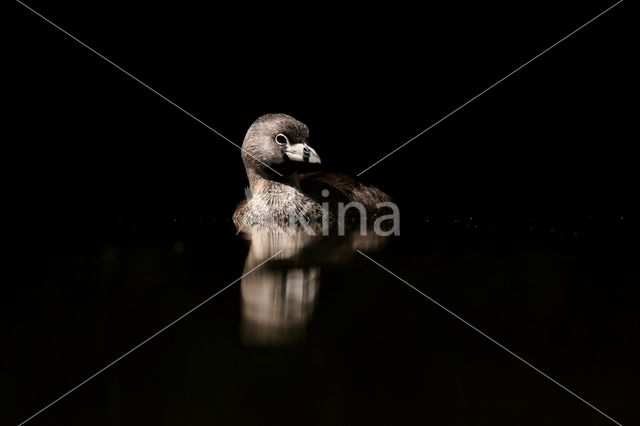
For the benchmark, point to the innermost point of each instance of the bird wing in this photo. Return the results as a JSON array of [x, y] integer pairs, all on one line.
[[341, 188]]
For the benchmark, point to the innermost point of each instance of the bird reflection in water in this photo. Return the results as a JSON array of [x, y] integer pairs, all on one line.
[[278, 298]]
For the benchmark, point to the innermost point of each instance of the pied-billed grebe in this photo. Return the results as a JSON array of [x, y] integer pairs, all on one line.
[[276, 143]]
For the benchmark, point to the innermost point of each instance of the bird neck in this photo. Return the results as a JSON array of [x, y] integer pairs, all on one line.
[[263, 180]]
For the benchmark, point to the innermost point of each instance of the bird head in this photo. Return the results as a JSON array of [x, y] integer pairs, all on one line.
[[275, 139]]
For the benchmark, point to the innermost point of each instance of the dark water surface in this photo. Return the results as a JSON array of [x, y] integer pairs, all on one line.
[[328, 338], [321, 335]]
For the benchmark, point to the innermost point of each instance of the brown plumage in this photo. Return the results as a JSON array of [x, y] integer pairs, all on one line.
[[277, 142]]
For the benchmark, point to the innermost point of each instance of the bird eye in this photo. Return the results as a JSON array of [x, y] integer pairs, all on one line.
[[281, 139]]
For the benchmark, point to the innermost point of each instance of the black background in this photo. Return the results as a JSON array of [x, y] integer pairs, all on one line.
[[529, 192], [92, 144]]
